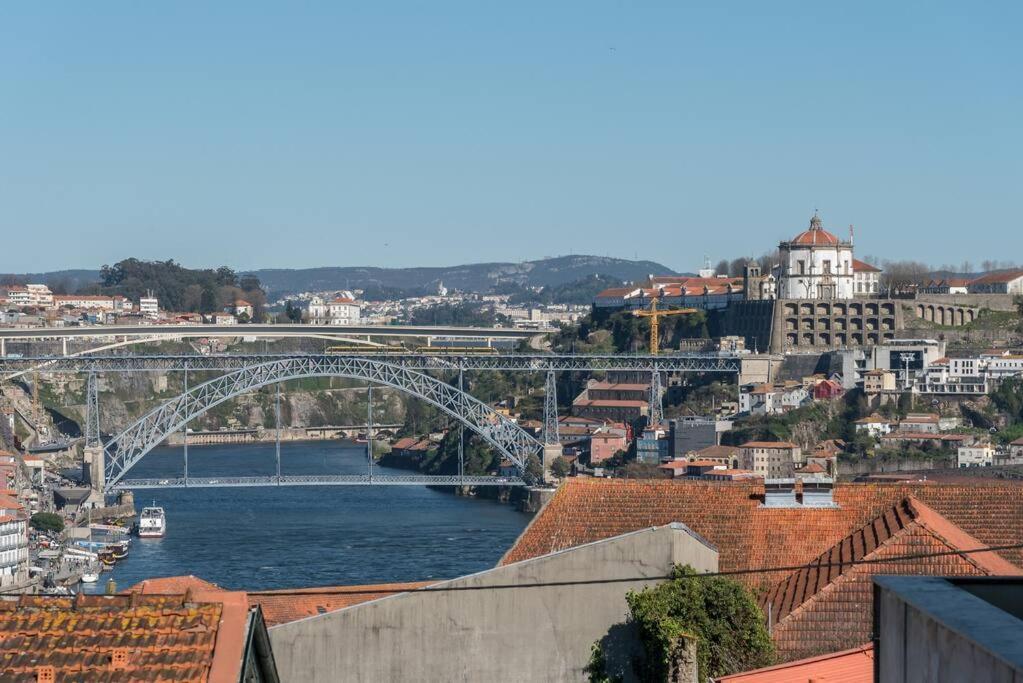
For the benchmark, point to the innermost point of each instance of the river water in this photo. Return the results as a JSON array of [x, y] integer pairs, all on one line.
[[287, 537]]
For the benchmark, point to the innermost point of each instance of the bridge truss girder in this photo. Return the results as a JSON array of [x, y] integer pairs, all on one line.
[[128, 447], [505, 362]]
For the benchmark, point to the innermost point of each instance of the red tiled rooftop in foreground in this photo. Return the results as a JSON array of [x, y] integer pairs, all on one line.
[[826, 605], [282, 606], [124, 637], [848, 666], [747, 535]]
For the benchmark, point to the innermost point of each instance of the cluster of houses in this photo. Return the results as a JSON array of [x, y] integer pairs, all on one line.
[[931, 429], [35, 305], [781, 397]]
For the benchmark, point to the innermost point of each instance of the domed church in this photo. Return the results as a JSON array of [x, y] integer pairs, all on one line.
[[816, 265]]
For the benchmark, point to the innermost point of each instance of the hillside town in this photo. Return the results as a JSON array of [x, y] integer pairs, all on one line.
[[493, 342]]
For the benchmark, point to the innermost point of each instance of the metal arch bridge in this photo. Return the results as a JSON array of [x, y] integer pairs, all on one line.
[[529, 362], [128, 447]]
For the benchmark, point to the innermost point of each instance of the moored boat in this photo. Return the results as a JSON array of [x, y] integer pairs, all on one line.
[[152, 522]]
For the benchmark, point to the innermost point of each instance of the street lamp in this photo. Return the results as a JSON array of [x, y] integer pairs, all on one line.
[[906, 358]]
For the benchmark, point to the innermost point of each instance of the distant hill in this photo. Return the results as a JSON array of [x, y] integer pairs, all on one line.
[[65, 280], [475, 277]]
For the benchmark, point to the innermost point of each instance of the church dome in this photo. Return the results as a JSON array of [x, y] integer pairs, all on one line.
[[816, 236]]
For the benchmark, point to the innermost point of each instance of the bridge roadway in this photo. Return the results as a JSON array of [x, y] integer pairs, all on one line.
[[533, 362], [317, 480], [268, 331]]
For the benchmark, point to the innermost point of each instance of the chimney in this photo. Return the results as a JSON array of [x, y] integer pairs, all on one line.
[[780, 493], [46, 674], [119, 659], [818, 492]]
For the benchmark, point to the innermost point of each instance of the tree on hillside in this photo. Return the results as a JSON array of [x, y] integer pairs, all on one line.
[[179, 288]]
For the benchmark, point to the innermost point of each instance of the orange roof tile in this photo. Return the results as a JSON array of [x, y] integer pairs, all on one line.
[[731, 516], [849, 666], [717, 452], [826, 605], [172, 585], [990, 278], [159, 637], [282, 606], [864, 267], [768, 444]]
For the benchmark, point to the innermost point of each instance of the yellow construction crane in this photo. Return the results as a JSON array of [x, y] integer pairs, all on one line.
[[655, 327]]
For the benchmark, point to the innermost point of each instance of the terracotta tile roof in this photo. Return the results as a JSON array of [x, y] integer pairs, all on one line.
[[824, 607], [717, 452], [768, 444], [849, 666], [405, 442], [609, 403], [812, 468], [172, 585], [992, 278], [864, 267], [619, 386], [730, 515], [124, 637], [282, 606], [816, 235]]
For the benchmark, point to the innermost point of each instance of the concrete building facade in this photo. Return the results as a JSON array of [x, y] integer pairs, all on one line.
[[470, 629]]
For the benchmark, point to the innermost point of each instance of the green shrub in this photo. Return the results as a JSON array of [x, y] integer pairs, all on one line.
[[47, 521], [720, 613]]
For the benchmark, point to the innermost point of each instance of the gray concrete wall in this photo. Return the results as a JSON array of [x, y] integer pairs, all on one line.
[[482, 633], [931, 631]]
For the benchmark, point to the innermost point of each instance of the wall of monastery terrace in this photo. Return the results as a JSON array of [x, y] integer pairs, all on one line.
[[850, 470], [818, 325], [994, 302]]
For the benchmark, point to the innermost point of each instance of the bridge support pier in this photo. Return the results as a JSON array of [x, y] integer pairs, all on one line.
[[550, 453], [94, 466]]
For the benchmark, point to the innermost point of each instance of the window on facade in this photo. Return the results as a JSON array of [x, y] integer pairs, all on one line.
[[802, 266], [827, 266]]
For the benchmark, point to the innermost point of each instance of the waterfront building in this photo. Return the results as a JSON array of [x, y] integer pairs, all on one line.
[[614, 401]]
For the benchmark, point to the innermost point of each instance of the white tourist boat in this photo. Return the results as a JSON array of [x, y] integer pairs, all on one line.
[[90, 577], [152, 522]]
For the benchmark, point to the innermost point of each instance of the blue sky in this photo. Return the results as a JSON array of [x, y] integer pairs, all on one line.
[[304, 134]]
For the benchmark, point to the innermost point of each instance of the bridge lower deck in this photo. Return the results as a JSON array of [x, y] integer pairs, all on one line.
[[318, 480]]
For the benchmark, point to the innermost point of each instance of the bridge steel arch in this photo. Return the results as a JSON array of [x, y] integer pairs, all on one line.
[[128, 447]]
